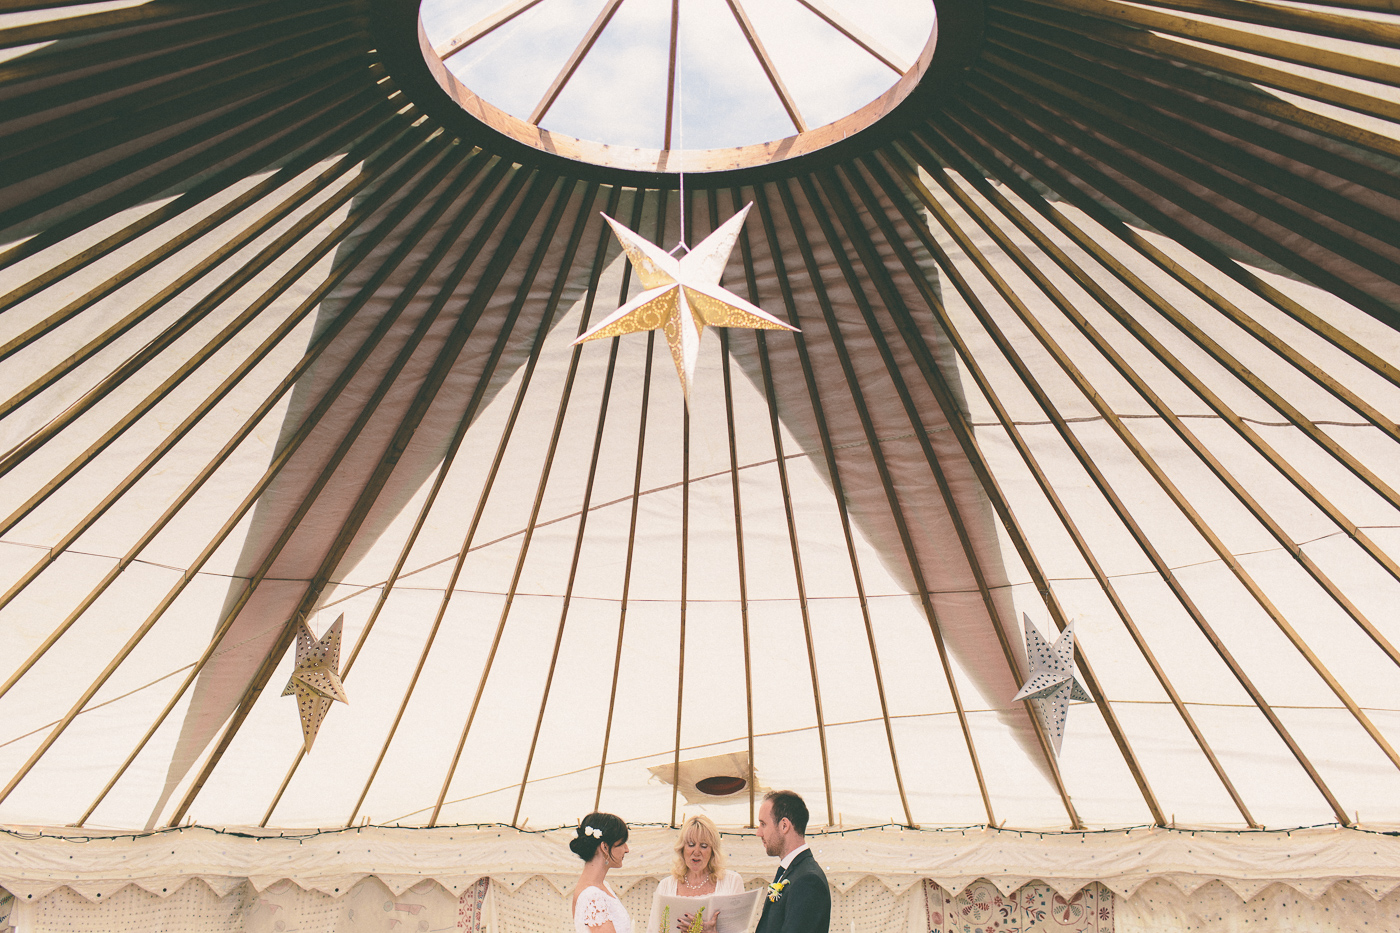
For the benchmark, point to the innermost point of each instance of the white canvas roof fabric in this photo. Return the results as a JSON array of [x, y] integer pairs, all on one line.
[[298, 348]]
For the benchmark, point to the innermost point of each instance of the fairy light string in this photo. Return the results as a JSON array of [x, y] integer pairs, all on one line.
[[273, 835]]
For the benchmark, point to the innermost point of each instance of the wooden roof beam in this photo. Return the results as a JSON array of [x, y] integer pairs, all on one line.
[[638, 201], [860, 37], [671, 75], [488, 186], [575, 59], [766, 63], [483, 27], [823, 431]]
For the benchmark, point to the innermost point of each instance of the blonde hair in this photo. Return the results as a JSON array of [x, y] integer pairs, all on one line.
[[702, 829]]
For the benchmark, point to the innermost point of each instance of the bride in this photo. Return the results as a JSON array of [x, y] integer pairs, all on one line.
[[601, 843]]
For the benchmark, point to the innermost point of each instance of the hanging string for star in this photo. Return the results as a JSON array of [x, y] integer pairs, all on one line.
[[682, 295]]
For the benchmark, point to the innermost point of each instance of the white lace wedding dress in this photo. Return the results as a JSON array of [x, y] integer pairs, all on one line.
[[596, 906]]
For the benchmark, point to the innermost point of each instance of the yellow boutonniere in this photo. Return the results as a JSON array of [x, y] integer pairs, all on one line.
[[775, 890]]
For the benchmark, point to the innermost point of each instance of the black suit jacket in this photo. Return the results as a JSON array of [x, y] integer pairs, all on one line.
[[805, 906]]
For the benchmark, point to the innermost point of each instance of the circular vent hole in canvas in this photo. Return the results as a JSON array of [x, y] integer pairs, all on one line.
[[721, 785]]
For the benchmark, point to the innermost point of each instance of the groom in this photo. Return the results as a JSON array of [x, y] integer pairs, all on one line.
[[799, 900]]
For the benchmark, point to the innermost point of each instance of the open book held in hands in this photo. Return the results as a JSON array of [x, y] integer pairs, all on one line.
[[734, 913]]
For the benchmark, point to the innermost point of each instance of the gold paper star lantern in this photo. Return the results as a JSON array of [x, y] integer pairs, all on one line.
[[683, 296], [316, 679]]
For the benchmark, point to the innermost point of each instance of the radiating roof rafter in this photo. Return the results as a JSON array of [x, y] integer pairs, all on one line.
[[1098, 310]]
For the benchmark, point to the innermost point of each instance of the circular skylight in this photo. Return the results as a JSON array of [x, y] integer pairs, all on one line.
[[678, 84]]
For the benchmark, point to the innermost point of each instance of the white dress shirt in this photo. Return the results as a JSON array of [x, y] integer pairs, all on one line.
[[787, 859]]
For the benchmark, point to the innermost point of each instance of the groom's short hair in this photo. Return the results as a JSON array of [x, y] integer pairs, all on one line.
[[788, 806]]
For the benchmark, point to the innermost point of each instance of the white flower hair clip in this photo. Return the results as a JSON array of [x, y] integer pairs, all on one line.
[[593, 831]]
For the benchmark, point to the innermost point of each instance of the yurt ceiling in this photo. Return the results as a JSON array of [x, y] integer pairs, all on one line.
[[1096, 308]]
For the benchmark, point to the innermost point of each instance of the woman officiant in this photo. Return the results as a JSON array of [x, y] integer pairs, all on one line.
[[698, 872]]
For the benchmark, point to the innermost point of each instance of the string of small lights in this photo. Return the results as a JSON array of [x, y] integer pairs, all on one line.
[[301, 835]]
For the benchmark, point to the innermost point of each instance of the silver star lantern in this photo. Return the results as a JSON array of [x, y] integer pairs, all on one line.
[[682, 296], [316, 679], [1051, 685]]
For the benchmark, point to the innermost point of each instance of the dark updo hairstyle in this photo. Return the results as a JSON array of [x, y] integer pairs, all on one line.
[[613, 830]]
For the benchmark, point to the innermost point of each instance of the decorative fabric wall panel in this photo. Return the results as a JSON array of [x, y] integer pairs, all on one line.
[[367, 907]]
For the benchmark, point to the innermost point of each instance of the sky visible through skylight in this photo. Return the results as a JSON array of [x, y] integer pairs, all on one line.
[[618, 94]]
